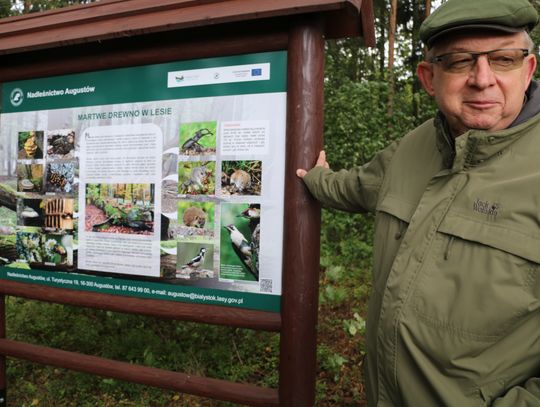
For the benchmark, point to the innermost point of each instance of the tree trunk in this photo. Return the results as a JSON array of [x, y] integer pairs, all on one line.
[[381, 41], [428, 8], [391, 52], [416, 55]]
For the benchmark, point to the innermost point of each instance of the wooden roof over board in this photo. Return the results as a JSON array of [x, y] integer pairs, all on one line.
[[114, 19]]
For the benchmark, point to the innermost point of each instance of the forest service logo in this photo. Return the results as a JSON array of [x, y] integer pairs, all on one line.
[[16, 97]]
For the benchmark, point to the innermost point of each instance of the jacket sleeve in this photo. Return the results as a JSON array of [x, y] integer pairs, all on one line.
[[521, 396], [354, 190]]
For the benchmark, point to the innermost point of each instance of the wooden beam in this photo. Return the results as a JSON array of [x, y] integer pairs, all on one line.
[[181, 382], [209, 314], [110, 19], [305, 97], [151, 49]]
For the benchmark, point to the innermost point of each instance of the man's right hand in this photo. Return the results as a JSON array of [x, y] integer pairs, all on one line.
[[321, 162]]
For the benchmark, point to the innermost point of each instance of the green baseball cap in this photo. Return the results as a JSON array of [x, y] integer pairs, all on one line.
[[461, 15]]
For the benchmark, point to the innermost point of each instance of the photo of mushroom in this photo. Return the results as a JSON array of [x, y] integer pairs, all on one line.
[[30, 212], [61, 143], [30, 145], [60, 177], [197, 177], [195, 260], [240, 241], [29, 177], [241, 177], [198, 138], [195, 219]]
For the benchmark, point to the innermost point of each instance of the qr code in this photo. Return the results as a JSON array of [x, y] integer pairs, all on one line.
[[266, 285]]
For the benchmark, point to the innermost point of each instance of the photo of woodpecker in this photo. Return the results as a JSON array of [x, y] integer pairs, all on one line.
[[197, 177], [198, 138], [195, 260], [241, 177], [240, 241]]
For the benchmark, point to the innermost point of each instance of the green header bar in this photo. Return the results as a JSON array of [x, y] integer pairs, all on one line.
[[149, 83], [143, 289]]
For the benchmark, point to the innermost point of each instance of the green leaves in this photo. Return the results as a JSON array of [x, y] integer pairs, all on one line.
[[355, 326]]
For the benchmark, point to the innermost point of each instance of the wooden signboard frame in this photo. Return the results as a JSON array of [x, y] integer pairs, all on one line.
[[123, 33]]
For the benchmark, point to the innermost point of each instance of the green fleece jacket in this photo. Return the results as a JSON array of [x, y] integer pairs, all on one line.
[[454, 313]]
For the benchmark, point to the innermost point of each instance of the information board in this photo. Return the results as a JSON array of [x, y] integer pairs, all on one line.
[[161, 181]]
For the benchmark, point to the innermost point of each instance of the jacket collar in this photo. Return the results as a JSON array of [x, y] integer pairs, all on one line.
[[474, 147]]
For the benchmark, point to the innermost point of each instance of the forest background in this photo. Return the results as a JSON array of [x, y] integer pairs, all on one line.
[[372, 97]]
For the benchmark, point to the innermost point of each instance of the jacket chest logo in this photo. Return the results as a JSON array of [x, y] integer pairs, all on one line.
[[490, 209]]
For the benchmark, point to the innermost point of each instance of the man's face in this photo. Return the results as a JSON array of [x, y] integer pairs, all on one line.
[[480, 98]]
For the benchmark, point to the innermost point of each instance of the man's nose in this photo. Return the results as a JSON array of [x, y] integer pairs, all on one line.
[[481, 74]]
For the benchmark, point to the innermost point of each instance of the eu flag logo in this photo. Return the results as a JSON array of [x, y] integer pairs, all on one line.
[[256, 72]]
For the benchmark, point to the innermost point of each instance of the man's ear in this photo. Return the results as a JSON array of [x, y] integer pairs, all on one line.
[[530, 63], [424, 71]]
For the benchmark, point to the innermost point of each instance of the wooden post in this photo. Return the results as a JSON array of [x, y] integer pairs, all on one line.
[[302, 216], [3, 380]]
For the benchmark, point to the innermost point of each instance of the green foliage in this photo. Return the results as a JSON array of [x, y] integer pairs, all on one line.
[[33, 6], [115, 213], [356, 325], [5, 8], [330, 361], [92, 191], [7, 217]]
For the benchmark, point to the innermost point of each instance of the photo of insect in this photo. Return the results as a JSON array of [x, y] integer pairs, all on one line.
[[198, 138], [192, 143]]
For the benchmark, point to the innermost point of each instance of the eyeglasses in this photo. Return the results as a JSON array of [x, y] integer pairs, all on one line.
[[500, 60]]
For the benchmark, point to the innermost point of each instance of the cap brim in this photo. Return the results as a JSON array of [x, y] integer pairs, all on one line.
[[492, 27]]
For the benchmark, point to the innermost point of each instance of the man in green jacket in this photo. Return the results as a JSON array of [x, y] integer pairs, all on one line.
[[454, 313]]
